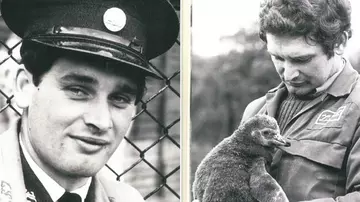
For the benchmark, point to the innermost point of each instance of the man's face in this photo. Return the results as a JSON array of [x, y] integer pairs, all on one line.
[[78, 115], [300, 65]]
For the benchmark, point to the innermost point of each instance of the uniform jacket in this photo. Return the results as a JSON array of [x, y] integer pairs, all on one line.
[[323, 162], [12, 185]]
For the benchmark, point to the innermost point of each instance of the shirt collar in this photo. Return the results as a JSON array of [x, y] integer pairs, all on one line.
[[52, 187]]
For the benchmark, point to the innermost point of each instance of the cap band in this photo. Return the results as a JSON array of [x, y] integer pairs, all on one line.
[[94, 42], [86, 32]]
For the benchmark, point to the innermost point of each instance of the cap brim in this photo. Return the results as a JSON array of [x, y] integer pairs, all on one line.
[[110, 51]]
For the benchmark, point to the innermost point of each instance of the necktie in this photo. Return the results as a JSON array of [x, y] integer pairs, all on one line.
[[70, 197]]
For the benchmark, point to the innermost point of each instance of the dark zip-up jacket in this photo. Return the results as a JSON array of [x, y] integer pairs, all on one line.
[[323, 162]]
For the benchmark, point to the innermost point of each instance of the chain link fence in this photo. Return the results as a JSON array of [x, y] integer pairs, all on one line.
[[149, 156]]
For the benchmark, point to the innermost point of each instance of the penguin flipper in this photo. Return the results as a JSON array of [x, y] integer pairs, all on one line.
[[263, 187], [227, 187]]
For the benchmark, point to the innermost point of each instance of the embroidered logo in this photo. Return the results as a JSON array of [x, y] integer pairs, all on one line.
[[5, 192], [328, 116]]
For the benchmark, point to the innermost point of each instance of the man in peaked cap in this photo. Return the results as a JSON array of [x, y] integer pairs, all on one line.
[[85, 67]]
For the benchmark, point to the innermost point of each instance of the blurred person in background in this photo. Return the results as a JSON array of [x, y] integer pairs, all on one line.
[[86, 63], [317, 103]]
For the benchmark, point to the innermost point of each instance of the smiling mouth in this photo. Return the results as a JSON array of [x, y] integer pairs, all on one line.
[[94, 141], [296, 84], [90, 144]]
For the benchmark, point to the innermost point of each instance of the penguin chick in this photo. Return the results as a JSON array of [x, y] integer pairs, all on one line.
[[235, 169]]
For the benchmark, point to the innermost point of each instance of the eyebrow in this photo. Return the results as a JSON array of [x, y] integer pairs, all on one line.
[[303, 56], [296, 57], [123, 87], [273, 54], [74, 77], [84, 79]]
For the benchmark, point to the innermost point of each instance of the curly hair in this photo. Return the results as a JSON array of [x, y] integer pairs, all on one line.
[[38, 60], [320, 21]]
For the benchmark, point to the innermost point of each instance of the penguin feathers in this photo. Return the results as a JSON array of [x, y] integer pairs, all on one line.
[[235, 169]]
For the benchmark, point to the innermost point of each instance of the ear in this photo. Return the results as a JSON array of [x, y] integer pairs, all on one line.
[[24, 88], [256, 134], [340, 46]]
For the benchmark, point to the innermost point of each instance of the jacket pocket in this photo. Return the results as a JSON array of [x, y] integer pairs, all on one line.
[[312, 169], [330, 154]]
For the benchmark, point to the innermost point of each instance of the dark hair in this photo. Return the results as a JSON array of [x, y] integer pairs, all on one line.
[[321, 21], [38, 60]]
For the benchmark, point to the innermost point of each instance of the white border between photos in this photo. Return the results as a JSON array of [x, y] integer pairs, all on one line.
[[185, 98]]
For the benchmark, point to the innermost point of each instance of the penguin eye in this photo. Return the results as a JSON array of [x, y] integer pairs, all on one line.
[[266, 133]]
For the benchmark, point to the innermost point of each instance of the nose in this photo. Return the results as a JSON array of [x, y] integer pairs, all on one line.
[[98, 117], [291, 73]]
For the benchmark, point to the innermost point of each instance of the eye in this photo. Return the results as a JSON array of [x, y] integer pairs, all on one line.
[[77, 92], [302, 60], [278, 58], [266, 133], [120, 101]]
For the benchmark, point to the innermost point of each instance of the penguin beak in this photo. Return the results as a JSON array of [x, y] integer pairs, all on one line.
[[280, 141]]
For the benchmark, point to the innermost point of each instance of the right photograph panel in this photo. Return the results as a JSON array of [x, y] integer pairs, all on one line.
[[275, 107]]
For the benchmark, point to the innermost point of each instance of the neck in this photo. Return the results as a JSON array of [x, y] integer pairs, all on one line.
[[66, 181], [252, 149], [338, 65]]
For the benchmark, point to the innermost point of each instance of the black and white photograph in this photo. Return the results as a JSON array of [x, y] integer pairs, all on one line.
[[275, 101], [90, 100], [93, 93]]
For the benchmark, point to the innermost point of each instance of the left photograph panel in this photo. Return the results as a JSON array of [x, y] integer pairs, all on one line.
[[90, 100]]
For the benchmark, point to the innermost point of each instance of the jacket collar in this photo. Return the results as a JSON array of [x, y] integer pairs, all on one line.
[[345, 82], [97, 192], [11, 173]]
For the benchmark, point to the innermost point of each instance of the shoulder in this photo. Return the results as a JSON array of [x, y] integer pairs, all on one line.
[[120, 190], [253, 108], [355, 92], [259, 102]]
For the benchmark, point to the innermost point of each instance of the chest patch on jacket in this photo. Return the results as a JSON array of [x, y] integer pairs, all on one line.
[[330, 116]]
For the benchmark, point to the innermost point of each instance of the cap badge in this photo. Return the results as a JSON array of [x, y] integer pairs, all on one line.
[[114, 19]]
